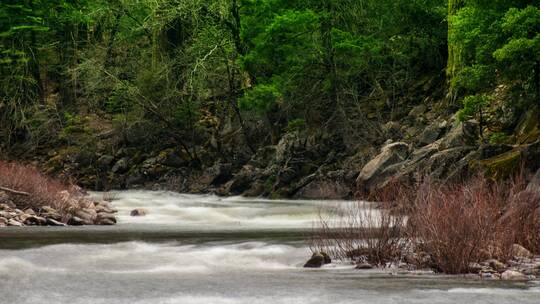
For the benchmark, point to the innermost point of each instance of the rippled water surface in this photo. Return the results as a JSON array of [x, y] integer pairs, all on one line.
[[204, 249]]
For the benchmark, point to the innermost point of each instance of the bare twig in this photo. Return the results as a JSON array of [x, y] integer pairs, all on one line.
[[14, 191]]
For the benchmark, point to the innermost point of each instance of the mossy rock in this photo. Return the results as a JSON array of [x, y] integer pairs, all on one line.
[[503, 165], [528, 130]]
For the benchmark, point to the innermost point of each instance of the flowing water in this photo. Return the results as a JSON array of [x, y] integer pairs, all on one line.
[[205, 249]]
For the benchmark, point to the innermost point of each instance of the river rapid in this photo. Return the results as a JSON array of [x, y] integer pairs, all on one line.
[[206, 249]]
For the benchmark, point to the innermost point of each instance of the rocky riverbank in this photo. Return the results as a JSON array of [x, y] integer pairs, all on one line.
[[523, 266], [323, 164], [80, 211]]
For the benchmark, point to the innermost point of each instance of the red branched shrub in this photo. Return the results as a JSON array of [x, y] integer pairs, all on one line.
[[458, 224], [41, 190], [448, 226]]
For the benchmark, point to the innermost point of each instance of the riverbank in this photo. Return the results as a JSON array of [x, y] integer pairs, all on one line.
[[29, 198]]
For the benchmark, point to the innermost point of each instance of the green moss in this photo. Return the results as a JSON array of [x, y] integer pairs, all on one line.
[[503, 165], [528, 130]]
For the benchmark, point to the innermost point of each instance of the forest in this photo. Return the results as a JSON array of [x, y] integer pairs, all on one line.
[[268, 97]]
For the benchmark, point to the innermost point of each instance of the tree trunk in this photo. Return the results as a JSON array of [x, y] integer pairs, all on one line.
[[455, 52]]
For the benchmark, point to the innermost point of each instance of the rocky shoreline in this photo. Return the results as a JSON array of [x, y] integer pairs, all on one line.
[[78, 211], [524, 266]]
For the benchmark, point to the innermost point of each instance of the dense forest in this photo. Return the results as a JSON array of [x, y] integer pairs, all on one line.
[[269, 97]]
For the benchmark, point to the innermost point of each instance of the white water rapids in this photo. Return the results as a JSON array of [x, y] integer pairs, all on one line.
[[205, 249]]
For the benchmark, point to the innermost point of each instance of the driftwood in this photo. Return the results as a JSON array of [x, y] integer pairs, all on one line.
[[14, 191]]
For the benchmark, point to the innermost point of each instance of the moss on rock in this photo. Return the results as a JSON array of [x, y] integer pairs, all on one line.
[[503, 165]]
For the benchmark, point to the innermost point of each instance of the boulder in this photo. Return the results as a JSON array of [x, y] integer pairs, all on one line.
[[15, 223], [86, 215], [53, 222], [316, 261], [106, 221], [3, 222], [520, 252], [107, 218], [495, 264], [121, 166], [35, 220], [77, 221], [432, 132], [390, 154], [138, 212], [513, 275], [462, 134], [7, 214], [105, 161]]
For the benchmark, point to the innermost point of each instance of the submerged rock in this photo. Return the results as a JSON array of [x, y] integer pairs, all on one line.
[[138, 212], [364, 266]]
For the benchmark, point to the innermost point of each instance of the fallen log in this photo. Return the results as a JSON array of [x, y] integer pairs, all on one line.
[[14, 191]]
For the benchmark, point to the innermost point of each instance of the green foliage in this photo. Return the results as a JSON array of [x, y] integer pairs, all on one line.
[[498, 138], [260, 99], [472, 105], [296, 125]]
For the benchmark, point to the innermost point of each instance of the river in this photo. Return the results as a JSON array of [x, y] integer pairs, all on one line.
[[205, 249]]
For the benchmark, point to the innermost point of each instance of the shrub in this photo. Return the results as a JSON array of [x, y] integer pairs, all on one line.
[[361, 231], [443, 225], [458, 224], [41, 190]]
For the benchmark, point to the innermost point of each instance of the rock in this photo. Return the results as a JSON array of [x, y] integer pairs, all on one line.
[[85, 215], [327, 259], [390, 154], [520, 252], [77, 221], [363, 265], [432, 132], [7, 206], [121, 166], [7, 214], [475, 268], [5, 201], [418, 110], [324, 189], [105, 161], [48, 209], [316, 261], [52, 222], [3, 222], [12, 222], [35, 220], [513, 275], [138, 212], [495, 264], [30, 211], [462, 134], [107, 217], [106, 221]]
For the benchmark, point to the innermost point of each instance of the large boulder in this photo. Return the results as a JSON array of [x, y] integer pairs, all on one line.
[[373, 171]]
